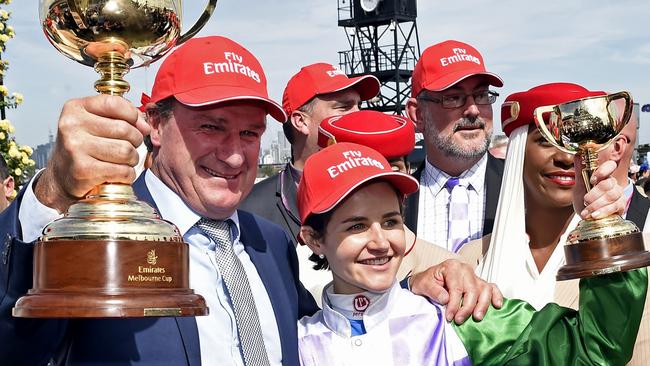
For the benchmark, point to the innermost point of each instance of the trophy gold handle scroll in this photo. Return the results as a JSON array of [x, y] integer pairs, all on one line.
[[203, 19], [550, 130], [113, 65], [114, 36], [627, 112]]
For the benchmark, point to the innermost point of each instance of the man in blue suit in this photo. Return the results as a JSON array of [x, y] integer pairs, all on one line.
[[205, 163], [207, 115]]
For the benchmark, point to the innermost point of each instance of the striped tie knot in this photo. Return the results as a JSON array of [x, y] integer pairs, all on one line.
[[217, 230], [451, 183]]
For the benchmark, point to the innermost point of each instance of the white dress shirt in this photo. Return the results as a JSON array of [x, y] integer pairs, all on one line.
[[218, 338], [433, 205]]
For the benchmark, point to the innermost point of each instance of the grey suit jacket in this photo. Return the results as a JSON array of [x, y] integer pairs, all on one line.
[[275, 199]]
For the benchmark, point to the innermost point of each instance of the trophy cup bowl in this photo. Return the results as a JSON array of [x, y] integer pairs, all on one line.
[[111, 255], [587, 126]]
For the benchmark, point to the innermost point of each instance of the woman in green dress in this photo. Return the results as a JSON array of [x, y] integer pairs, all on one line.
[[349, 202]]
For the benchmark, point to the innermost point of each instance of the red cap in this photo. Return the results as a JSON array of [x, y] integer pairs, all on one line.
[[517, 110], [393, 136], [333, 173], [144, 100], [322, 78], [445, 64], [209, 70]]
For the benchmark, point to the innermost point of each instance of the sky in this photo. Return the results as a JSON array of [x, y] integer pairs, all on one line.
[[599, 44]]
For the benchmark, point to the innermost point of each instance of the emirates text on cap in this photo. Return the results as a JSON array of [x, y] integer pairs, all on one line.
[[354, 160], [233, 64]]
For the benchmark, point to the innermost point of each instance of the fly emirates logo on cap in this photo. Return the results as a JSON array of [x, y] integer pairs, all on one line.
[[234, 64], [352, 159], [460, 54], [334, 72]]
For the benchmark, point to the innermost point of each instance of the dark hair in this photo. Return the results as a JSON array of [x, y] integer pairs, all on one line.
[[287, 128], [163, 108], [4, 169], [147, 143], [318, 222]]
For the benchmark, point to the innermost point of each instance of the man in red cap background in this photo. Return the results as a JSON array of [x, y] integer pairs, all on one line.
[[207, 114], [451, 105], [317, 91]]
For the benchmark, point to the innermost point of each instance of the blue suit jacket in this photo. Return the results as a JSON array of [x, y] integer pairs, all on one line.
[[139, 341]]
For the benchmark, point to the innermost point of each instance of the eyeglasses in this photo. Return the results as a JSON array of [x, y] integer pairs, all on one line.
[[458, 100]]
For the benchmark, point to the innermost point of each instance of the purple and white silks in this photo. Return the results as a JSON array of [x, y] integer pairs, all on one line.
[[402, 329]]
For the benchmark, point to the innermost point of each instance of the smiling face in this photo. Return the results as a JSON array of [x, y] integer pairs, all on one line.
[[208, 155], [364, 240], [549, 175]]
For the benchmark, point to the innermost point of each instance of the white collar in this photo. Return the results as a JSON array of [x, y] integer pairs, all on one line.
[[555, 261], [375, 313]]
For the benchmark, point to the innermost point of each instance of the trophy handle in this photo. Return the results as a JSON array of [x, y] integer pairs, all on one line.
[[203, 19], [538, 116], [629, 106]]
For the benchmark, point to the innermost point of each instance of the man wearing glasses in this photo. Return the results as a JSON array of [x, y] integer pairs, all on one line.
[[451, 105]]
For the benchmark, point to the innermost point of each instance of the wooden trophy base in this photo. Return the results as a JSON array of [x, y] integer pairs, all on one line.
[[602, 256], [110, 279]]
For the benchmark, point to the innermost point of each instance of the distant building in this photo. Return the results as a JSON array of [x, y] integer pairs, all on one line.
[[282, 141], [279, 152], [275, 153], [267, 159], [42, 153]]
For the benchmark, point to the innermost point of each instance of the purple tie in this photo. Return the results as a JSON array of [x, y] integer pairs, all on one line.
[[458, 232]]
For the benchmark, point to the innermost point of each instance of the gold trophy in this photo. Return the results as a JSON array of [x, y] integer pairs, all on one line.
[[112, 255], [587, 126]]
